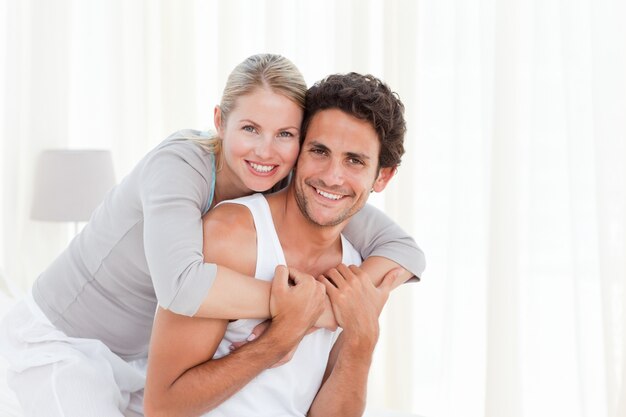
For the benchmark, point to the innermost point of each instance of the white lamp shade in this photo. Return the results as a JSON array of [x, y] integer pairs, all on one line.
[[70, 184]]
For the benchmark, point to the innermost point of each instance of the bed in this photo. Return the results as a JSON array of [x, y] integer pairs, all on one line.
[[9, 407]]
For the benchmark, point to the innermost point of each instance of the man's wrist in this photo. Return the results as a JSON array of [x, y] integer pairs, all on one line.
[[361, 343], [280, 339]]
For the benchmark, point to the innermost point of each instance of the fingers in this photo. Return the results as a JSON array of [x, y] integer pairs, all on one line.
[[331, 290], [299, 277], [335, 277], [258, 330], [304, 281], [351, 272], [296, 275], [341, 275], [281, 277]]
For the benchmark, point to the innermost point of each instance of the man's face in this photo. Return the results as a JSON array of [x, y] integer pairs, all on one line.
[[337, 167]]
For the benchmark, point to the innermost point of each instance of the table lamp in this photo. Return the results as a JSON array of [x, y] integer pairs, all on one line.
[[70, 184]]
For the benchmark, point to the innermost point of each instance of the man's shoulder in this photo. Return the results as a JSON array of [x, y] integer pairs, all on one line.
[[229, 220], [229, 234]]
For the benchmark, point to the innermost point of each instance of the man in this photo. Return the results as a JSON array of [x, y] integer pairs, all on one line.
[[353, 133]]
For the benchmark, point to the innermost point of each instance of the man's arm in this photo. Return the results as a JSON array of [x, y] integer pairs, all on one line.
[[357, 303], [182, 378]]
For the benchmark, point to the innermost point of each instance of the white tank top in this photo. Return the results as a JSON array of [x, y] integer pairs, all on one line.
[[287, 390]]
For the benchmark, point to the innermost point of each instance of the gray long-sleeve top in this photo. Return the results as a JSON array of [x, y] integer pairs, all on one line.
[[143, 246]]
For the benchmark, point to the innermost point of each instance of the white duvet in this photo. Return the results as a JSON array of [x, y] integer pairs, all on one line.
[[9, 406]]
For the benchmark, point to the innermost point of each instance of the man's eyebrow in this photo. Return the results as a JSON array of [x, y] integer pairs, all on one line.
[[316, 144], [357, 155]]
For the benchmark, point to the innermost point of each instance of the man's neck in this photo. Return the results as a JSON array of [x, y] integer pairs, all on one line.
[[308, 247]]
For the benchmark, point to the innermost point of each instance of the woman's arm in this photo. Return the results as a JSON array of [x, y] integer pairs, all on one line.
[[387, 246], [173, 188], [383, 245], [236, 296]]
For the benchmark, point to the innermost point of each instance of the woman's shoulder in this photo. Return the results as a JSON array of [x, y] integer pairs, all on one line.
[[185, 140], [183, 147]]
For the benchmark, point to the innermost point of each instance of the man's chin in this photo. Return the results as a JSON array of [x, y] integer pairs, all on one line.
[[327, 221]]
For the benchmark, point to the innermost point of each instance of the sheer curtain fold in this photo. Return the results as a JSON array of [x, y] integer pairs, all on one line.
[[513, 183], [609, 128]]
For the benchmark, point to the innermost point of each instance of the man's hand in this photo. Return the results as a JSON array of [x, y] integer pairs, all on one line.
[[356, 302], [295, 308]]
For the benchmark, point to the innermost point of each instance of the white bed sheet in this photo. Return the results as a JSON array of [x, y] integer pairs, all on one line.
[[9, 407]]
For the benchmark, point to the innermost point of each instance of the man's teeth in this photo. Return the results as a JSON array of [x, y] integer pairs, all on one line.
[[261, 168], [328, 195]]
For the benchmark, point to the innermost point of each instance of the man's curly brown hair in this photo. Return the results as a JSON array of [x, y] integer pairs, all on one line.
[[367, 98]]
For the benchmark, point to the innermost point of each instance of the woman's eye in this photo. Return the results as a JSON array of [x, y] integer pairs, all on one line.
[[249, 128], [285, 134]]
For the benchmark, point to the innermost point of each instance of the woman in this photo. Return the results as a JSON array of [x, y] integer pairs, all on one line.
[[76, 344]]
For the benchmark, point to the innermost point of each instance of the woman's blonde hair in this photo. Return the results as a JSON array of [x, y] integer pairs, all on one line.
[[271, 71]]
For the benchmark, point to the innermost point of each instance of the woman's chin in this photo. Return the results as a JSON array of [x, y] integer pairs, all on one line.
[[259, 185]]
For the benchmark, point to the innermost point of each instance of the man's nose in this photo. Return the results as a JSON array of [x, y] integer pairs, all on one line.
[[333, 172]]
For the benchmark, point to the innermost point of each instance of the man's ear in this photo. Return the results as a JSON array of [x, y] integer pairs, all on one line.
[[384, 176], [217, 120]]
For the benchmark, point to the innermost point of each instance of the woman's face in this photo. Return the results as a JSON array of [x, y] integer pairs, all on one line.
[[260, 140]]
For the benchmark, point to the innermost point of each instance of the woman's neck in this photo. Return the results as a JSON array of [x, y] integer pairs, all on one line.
[[228, 186]]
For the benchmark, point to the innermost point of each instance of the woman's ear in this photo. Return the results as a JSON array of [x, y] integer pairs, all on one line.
[[217, 120]]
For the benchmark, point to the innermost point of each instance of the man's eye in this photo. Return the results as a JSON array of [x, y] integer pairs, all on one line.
[[355, 161], [318, 151]]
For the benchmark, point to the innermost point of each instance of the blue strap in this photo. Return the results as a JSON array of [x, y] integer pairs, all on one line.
[[212, 192]]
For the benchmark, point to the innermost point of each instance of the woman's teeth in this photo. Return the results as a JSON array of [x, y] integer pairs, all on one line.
[[262, 168]]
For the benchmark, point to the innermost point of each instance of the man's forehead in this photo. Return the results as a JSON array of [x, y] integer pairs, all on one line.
[[340, 131]]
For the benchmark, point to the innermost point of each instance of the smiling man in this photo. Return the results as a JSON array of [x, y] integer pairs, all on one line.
[[353, 133]]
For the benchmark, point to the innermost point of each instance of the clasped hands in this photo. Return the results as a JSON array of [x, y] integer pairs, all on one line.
[[343, 296]]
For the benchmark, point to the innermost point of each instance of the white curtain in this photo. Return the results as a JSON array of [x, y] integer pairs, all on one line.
[[513, 183]]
